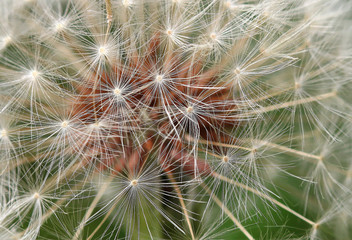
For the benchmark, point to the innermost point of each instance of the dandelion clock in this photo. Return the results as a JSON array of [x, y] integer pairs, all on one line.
[[175, 119]]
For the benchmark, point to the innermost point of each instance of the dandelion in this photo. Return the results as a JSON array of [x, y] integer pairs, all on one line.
[[174, 119]]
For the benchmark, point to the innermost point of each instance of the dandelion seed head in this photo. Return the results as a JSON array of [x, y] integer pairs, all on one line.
[[152, 98]]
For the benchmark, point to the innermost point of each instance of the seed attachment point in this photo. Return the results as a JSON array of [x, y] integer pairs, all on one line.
[[64, 124], [5, 41], [3, 133], [159, 78], [36, 195], [96, 125], [134, 182], [126, 3], [237, 71], [102, 51], [117, 92], [225, 159], [189, 109], [34, 75], [60, 25], [169, 32], [213, 36]]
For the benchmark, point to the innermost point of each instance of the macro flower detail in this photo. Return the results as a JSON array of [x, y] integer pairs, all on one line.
[[175, 119]]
